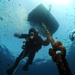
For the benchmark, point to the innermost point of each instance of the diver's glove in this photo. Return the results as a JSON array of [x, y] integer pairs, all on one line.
[[17, 35]]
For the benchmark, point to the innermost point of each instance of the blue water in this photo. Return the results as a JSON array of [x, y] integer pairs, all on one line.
[[13, 18]]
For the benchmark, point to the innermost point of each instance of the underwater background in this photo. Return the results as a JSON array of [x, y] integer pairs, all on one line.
[[13, 19]]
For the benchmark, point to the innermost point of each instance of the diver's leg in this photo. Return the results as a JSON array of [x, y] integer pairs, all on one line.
[[21, 56], [31, 57], [29, 61]]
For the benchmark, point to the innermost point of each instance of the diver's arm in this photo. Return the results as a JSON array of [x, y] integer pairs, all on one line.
[[21, 35], [17, 35], [44, 42], [24, 36]]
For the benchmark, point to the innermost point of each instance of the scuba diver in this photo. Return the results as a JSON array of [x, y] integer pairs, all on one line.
[[71, 35], [32, 45]]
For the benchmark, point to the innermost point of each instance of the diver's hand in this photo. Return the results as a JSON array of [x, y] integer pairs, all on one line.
[[17, 35]]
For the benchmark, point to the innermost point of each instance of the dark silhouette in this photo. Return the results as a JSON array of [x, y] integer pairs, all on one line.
[[33, 43]]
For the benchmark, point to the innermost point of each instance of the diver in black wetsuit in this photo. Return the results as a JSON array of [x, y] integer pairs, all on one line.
[[33, 43]]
